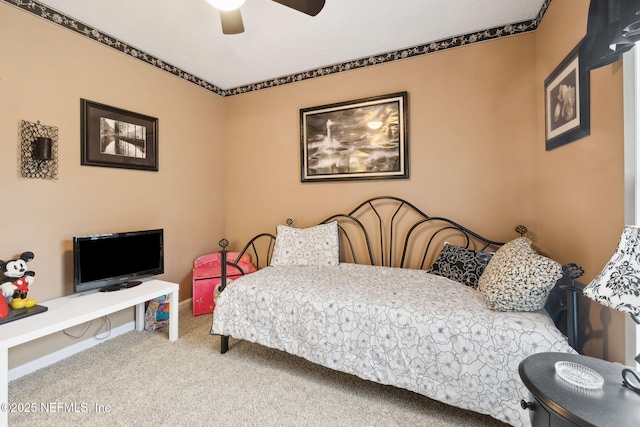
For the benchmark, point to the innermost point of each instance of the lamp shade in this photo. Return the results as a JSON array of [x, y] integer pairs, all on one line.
[[618, 284]]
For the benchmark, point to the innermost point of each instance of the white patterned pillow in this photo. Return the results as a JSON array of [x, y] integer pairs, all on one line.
[[316, 245], [517, 278]]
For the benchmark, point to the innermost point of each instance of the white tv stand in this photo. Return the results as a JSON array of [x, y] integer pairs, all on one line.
[[75, 309]]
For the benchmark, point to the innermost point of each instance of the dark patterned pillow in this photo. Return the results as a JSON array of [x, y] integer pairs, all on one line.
[[461, 264]]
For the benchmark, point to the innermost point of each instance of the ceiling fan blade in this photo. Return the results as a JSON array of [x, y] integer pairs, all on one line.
[[310, 7], [231, 22]]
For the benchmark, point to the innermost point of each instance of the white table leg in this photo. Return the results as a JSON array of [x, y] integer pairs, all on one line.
[[140, 316], [173, 316], [4, 387]]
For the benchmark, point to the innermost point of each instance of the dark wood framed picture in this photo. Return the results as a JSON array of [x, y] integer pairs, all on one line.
[[117, 138], [355, 140], [567, 103]]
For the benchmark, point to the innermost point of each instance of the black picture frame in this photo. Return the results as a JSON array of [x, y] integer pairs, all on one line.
[[362, 139], [117, 138], [567, 103]]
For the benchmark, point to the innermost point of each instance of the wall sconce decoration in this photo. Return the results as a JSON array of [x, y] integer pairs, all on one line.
[[38, 155], [42, 148]]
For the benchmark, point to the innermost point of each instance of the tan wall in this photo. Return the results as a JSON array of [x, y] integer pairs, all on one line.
[[471, 142], [476, 135], [44, 72], [580, 185]]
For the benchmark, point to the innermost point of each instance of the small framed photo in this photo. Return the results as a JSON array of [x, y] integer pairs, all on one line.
[[355, 140], [567, 103], [117, 138]]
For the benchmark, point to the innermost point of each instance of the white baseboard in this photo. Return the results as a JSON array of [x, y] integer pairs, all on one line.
[[57, 356]]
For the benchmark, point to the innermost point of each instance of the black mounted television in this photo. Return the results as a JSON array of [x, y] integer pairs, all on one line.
[[613, 27], [114, 261]]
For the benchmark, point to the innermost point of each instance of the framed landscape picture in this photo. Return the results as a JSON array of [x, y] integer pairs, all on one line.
[[117, 138], [567, 103], [355, 140]]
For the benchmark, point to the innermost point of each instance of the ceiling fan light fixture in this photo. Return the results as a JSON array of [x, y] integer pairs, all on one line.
[[226, 5]]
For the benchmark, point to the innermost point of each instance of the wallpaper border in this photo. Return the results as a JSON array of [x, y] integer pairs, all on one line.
[[94, 34]]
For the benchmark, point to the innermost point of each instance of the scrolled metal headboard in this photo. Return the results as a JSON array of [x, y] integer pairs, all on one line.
[[387, 231], [392, 232]]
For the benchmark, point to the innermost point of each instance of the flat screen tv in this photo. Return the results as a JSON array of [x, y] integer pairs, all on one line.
[[613, 27], [116, 260]]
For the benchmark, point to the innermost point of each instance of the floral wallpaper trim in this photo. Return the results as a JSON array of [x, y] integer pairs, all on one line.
[[82, 29]]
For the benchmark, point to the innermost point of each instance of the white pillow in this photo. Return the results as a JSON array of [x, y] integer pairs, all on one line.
[[316, 245]]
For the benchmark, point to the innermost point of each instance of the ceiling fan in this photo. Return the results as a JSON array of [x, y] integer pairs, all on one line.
[[231, 18]]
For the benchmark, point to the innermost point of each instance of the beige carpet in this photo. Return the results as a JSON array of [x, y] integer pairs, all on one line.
[[140, 378]]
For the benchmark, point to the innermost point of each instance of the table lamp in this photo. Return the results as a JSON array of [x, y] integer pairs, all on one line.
[[618, 286]]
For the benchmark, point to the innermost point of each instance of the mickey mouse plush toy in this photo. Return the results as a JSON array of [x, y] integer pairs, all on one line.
[[15, 285]]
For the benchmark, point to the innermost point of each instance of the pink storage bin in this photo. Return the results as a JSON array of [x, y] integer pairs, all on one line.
[[206, 276]]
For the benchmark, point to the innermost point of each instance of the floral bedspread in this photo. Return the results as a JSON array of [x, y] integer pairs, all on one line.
[[401, 327]]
